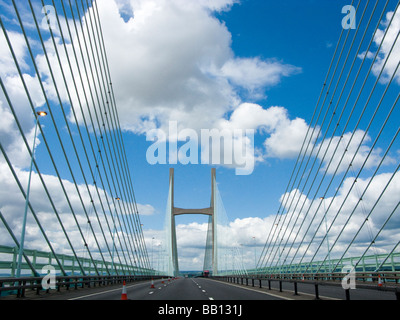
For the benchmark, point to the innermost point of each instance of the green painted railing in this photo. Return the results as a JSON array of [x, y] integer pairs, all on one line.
[[41, 259], [372, 263]]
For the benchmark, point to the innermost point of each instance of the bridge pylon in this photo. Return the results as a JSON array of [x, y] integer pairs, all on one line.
[[175, 211]]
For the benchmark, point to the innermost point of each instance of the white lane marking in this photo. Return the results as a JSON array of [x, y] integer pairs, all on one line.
[[245, 288], [103, 292]]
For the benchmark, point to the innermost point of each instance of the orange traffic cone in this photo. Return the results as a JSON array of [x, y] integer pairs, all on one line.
[[379, 281], [152, 284], [124, 296]]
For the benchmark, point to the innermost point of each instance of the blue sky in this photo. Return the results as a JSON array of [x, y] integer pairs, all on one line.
[[223, 64], [303, 35]]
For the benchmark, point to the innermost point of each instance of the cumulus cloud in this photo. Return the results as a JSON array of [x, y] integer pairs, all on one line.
[[254, 73], [389, 55], [178, 64], [346, 216], [7, 63], [146, 209], [299, 230], [338, 153], [275, 125], [73, 213]]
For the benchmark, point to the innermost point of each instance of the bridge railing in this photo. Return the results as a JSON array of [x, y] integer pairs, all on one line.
[[71, 265], [370, 263], [384, 281], [386, 277], [20, 286]]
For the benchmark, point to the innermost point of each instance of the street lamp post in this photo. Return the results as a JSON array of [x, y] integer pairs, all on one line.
[[255, 254], [152, 248], [113, 236], [327, 237], [21, 244]]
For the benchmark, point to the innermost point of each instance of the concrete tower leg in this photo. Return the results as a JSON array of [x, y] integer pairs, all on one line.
[[179, 211]]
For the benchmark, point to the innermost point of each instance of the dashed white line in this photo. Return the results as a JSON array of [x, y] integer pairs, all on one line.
[[245, 288], [101, 293]]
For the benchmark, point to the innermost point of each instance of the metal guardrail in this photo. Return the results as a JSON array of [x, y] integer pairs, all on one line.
[[337, 276], [19, 286], [370, 263], [71, 265], [384, 281]]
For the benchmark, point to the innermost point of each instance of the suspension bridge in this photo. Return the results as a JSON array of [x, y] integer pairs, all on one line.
[[68, 201]]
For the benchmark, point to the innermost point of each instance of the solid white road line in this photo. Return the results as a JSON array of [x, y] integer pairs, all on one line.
[[103, 292], [245, 288]]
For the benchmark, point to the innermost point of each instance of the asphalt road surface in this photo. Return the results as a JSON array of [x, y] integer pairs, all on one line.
[[182, 289], [202, 289]]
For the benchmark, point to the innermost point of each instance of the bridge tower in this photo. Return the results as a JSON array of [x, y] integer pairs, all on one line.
[[173, 211]]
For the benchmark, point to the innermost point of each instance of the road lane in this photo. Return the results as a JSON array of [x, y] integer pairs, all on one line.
[[179, 290], [203, 289], [139, 290], [224, 291], [183, 289]]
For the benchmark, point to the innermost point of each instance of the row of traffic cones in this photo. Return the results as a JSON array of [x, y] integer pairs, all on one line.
[[379, 281], [124, 295]]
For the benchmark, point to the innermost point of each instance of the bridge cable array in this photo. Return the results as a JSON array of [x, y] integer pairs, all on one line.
[[85, 202], [337, 203]]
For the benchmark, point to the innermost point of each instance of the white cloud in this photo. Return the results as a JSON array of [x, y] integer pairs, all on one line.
[[17, 40], [12, 203], [177, 64], [250, 235], [345, 215], [284, 137], [11, 139], [253, 74], [287, 140], [351, 149], [253, 116], [390, 50], [9, 132], [146, 209]]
